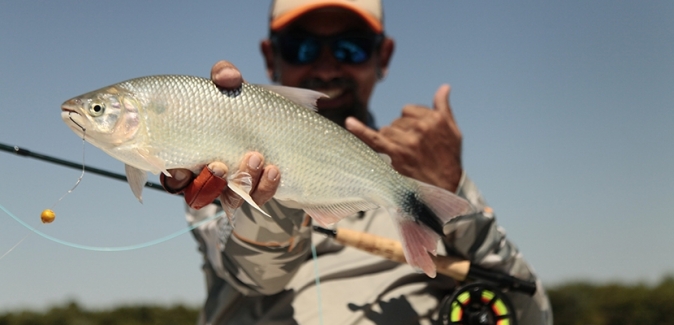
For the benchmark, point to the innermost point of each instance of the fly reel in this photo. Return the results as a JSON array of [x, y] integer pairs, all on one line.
[[477, 304]]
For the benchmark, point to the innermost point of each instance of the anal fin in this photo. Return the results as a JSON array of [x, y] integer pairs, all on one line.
[[148, 155], [328, 214]]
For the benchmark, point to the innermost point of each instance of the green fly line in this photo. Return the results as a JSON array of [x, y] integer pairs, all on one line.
[[114, 248], [129, 247]]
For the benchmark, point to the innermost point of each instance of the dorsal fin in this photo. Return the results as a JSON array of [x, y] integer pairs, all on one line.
[[303, 97]]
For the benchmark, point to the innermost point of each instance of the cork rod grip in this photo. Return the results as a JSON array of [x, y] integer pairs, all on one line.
[[393, 250]]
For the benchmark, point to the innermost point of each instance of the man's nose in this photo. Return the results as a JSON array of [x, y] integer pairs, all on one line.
[[327, 67]]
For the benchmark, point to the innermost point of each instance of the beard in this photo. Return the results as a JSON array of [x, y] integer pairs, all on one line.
[[355, 108]]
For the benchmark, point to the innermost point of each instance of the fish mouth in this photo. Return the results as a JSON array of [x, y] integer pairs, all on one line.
[[70, 114], [69, 106]]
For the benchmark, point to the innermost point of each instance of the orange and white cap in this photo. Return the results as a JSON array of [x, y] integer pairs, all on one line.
[[283, 12]]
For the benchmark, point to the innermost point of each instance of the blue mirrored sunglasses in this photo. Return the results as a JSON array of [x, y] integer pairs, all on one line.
[[346, 48]]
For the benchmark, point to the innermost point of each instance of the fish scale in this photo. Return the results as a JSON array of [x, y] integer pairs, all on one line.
[[173, 121], [190, 123]]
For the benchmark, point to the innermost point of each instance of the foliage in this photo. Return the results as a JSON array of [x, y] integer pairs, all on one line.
[[613, 303], [72, 314], [578, 303]]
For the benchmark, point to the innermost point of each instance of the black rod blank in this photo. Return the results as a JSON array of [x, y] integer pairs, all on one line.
[[27, 153]]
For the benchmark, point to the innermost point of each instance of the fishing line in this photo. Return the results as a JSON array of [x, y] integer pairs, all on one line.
[[81, 175], [108, 249], [318, 283], [48, 215], [27, 153], [13, 247]]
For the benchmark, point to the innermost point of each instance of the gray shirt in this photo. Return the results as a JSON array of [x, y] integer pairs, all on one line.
[[261, 271]]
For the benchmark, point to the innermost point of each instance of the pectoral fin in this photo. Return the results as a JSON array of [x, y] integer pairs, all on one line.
[[137, 179], [240, 183], [151, 159]]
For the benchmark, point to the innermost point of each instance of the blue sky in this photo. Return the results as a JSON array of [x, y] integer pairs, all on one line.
[[566, 107]]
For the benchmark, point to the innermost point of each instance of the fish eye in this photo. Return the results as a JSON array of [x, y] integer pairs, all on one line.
[[96, 109]]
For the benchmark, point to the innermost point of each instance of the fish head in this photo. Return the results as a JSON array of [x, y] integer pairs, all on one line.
[[107, 117]]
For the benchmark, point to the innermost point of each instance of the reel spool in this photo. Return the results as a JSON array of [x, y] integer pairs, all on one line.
[[477, 304]]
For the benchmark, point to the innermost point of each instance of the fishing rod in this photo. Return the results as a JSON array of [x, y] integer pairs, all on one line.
[[482, 302], [27, 153], [456, 268]]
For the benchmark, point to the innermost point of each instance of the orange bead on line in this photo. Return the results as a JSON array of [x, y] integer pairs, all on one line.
[[47, 216]]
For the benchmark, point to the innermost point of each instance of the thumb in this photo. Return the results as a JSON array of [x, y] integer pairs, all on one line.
[[224, 74], [441, 101]]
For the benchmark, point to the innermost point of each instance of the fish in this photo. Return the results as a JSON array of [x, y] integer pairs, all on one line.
[[156, 123]]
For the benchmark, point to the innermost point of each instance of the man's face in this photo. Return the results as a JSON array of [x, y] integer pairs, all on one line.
[[349, 85]]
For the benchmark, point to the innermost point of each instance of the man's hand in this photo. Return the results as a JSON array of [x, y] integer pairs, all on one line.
[[225, 75], [424, 143], [211, 181]]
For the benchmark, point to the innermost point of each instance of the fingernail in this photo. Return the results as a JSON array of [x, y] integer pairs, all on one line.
[[273, 174], [351, 123], [228, 77], [181, 174], [216, 170], [254, 162], [222, 74]]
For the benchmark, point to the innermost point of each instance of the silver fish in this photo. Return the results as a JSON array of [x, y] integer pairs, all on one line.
[[158, 123]]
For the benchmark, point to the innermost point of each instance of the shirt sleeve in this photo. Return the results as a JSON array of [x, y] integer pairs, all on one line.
[[477, 236], [255, 254]]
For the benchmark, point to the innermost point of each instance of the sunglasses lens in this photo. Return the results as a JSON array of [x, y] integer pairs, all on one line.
[[306, 49], [352, 50], [299, 50]]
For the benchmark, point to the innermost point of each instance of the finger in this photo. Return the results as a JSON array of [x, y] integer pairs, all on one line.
[[406, 122], [427, 121], [415, 111], [252, 164], [179, 180], [218, 169], [207, 186], [402, 138], [267, 186], [441, 103], [226, 75], [371, 137]]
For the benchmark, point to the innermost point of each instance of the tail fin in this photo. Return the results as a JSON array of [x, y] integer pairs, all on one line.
[[420, 221]]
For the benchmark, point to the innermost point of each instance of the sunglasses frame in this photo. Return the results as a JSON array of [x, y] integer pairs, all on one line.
[[374, 39]]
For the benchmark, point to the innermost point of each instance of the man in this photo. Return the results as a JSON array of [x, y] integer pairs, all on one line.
[[260, 271]]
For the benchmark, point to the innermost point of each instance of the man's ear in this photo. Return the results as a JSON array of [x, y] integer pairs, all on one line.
[[267, 50], [384, 57]]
